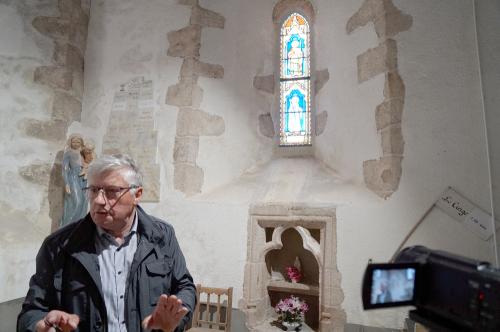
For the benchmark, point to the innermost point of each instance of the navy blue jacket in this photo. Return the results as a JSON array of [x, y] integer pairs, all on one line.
[[67, 276]]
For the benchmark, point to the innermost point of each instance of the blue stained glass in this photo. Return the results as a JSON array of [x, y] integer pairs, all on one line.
[[295, 114], [295, 56]]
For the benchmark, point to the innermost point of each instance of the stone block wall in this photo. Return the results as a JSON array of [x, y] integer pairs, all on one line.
[[192, 122], [65, 76], [382, 176]]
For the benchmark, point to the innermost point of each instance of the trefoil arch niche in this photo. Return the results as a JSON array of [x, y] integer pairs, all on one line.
[[315, 228]]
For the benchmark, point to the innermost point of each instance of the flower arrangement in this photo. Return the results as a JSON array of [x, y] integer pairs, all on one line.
[[293, 274], [291, 309]]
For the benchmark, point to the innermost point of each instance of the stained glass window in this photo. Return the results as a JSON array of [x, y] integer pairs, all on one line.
[[295, 77]]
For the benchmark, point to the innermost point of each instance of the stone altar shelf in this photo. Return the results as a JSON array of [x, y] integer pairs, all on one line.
[[297, 288]]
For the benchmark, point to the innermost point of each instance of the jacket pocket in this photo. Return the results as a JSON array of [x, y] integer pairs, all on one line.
[[159, 275]]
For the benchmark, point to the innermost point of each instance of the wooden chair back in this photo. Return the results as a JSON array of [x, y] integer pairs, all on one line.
[[213, 309]]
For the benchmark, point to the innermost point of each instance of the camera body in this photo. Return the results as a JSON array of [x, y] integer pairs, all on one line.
[[450, 292]]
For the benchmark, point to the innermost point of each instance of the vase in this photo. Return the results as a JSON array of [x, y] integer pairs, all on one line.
[[292, 326]]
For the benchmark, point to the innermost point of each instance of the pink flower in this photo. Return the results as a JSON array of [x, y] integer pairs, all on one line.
[[293, 274], [291, 309]]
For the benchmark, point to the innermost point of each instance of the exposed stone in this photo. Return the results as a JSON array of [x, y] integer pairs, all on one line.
[[394, 86], [52, 130], [377, 60], [192, 123], [77, 84], [65, 107], [186, 149], [387, 19], [69, 56], [389, 113], [37, 172], [78, 36], [55, 194], [53, 27], [188, 178], [264, 83], [70, 27], [206, 18], [382, 176], [189, 69], [198, 123], [392, 140], [322, 76], [266, 125], [185, 42], [54, 76], [184, 93], [321, 119], [364, 15], [391, 23], [70, 9], [151, 173], [284, 7], [69, 32], [209, 70]]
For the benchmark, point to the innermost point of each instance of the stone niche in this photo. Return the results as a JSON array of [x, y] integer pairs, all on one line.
[[276, 235]]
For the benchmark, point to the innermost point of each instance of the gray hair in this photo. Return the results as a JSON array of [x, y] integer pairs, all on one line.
[[116, 162]]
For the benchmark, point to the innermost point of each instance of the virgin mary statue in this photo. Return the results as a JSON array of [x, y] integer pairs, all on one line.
[[75, 200]]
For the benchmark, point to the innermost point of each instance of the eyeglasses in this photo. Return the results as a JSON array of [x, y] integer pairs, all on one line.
[[111, 193]]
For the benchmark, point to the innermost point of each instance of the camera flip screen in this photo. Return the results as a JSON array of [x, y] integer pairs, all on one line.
[[388, 285]]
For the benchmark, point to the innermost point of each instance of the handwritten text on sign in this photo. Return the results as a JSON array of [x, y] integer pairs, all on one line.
[[460, 208]]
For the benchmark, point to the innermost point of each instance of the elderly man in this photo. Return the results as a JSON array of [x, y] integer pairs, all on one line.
[[117, 269]]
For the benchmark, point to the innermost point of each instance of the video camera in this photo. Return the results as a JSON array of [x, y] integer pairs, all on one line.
[[450, 292]]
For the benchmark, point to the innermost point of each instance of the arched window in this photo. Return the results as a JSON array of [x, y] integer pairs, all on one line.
[[295, 82]]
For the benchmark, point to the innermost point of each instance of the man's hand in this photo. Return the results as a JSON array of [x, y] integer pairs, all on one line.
[[57, 321], [167, 314]]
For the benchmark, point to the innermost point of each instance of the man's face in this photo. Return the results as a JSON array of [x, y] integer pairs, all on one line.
[[113, 214]]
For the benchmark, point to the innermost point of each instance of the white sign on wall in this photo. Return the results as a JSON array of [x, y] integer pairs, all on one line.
[[460, 208]]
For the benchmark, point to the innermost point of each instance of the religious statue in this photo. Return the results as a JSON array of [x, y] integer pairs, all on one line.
[[87, 154], [75, 200]]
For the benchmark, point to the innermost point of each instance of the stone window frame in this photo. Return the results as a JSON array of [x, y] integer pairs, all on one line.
[[282, 10]]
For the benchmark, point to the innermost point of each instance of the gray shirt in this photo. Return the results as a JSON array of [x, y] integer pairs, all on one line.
[[114, 265]]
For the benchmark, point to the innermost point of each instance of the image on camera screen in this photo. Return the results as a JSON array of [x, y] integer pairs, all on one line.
[[392, 285]]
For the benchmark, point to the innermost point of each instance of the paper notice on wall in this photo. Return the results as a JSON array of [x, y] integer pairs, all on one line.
[[461, 209]]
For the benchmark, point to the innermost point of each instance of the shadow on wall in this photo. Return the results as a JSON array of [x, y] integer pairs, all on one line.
[[55, 192]]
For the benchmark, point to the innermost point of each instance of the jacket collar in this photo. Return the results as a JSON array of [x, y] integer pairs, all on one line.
[[82, 235]]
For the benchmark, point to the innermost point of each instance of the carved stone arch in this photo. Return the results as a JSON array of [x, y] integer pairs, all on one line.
[[309, 243], [266, 225], [285, 7]]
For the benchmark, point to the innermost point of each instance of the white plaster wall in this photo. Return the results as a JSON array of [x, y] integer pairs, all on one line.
[[350, 135], [442, 128], [24, 217], [243, 48], [444, 146], [488, 25], [129, 39]]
